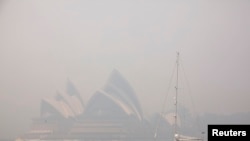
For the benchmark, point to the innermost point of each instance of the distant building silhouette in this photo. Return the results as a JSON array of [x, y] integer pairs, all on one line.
[[112, 113]]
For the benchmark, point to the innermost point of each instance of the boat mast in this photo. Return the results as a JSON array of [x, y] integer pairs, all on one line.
[[176, 136], [176, 93]]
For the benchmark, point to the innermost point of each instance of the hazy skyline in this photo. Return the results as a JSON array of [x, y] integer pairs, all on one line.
[[44, 43]]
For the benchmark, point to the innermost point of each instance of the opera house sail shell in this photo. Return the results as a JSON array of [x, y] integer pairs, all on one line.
[[112, 113], [116, 100]]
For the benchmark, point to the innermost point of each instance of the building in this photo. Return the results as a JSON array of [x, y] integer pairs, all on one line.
[[112, 113]]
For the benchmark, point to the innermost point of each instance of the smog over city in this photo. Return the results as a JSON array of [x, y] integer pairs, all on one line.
[[122, 70]]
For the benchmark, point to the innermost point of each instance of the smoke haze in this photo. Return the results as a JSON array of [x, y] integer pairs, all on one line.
[[44, 43]]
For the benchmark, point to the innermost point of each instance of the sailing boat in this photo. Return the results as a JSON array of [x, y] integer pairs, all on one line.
[[177, 136]]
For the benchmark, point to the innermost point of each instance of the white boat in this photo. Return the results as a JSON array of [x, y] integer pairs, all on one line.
[[177, 136]]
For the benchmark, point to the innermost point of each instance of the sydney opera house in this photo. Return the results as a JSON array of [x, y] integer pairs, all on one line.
[[112, 113]]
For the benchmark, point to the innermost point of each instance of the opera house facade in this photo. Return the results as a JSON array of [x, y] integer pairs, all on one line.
[[112, 113]]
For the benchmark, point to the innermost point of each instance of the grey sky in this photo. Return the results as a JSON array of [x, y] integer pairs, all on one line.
[[42, 43]]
